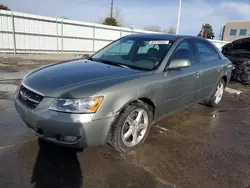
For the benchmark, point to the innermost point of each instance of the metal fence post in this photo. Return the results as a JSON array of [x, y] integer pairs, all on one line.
[[62, 34], [13, 33], [93, 38], [57, 45]]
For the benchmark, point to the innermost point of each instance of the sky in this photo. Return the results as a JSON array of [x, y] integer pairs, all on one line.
[[143, 13]]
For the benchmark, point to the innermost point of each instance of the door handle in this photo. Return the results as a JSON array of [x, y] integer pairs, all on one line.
[[218, 69], [197, 75]]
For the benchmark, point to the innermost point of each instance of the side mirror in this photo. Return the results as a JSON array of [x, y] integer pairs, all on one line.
[[179, 63]]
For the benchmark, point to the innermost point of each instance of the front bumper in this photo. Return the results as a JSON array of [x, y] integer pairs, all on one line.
[[54, 126]]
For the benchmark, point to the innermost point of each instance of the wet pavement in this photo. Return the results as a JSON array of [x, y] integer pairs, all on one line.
[[17, 66], [199, 147]]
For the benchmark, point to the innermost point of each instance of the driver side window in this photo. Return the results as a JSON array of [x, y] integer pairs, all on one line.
[[184, 51]]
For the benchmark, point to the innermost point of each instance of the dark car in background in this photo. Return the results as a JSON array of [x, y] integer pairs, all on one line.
[[116, 95], [238, 52]]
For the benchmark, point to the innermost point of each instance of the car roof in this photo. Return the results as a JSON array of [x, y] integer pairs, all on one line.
[[160, 36]]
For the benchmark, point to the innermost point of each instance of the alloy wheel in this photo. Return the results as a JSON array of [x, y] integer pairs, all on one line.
[[135, 127], [219, 92]]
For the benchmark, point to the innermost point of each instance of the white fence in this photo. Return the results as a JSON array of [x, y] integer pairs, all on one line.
[[219, 43], [27, 33]]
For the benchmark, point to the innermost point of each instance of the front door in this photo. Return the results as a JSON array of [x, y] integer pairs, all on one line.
[[181, 85]]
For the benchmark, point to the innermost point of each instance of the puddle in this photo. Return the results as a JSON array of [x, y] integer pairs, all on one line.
[[6, 95], [8, 87], [7, 91]]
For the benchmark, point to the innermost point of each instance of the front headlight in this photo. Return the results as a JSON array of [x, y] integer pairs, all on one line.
[[89, 105]]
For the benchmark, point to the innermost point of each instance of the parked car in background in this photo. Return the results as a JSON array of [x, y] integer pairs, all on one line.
[[116, 95], [238, 52]]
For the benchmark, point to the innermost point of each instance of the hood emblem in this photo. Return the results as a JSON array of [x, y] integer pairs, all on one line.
[[24, 95]]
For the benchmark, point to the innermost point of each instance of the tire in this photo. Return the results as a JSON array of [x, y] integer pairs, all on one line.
[[125, 124], [213, 100]]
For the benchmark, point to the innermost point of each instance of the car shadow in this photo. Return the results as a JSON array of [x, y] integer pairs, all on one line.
[[56, 166]]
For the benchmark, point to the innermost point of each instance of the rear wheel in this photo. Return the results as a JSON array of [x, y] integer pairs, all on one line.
[[131, 127], [217, 95]]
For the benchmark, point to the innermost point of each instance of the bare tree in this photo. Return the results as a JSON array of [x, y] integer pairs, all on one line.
[[64, 17], [100, 20], [154, 28], [118, 16], [171, 30]]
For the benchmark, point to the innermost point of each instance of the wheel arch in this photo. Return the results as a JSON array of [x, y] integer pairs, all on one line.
[[143, 99], [225, 78]]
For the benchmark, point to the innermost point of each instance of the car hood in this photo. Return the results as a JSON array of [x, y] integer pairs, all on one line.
[[56, 79]]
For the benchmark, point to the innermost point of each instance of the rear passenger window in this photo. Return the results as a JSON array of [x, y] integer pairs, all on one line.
[[206, 52]]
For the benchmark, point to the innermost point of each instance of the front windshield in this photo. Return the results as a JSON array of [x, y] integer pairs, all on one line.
[[135, 52]]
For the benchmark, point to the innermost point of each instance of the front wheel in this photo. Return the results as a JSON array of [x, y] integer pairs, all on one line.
[[217, 95], [131, 126]]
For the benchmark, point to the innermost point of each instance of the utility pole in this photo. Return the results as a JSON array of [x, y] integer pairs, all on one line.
[[111, 9], [178, 20]]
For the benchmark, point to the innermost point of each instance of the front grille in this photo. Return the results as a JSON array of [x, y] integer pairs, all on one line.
[[29, 98]]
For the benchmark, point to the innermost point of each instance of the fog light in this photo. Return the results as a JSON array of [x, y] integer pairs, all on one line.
[[70, 138]]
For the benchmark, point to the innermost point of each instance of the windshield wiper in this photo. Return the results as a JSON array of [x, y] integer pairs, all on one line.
[[111, 63]]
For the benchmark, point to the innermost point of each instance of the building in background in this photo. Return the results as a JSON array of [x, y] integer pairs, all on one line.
[[236, 30]]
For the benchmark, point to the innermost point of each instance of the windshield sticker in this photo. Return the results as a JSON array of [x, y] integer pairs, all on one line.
[[159, 42]]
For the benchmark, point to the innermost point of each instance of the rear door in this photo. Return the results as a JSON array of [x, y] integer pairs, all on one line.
[[211, 63]]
